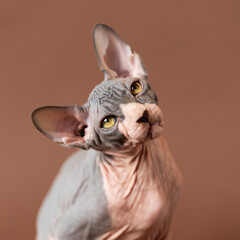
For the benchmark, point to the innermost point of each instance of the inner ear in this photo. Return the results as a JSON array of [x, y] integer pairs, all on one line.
[[64, 125], [115, 57]]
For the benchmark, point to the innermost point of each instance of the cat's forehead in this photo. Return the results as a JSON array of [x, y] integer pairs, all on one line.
[[110, 94], [111, 91], [104, 89], [107, 96], [111, 88]]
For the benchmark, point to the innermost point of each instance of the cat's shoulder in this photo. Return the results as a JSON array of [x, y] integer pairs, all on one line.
[[78, 160], [68, 186]]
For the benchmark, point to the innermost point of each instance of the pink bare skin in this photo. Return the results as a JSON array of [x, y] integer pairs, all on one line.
[[138, 181]]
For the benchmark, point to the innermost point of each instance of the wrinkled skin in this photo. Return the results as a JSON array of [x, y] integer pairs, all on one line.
[[127, 185]]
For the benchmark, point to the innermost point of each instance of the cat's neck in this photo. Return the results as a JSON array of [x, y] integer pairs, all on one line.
[[123, 165], [123, 158]]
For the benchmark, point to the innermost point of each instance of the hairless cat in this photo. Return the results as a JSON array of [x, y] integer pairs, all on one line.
[[126, 185]]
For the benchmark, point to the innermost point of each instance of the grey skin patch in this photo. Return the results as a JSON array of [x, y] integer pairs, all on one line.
[[76, 206], [105, 100]]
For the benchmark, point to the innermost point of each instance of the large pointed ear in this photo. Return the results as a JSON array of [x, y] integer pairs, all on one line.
[[64, 125], [115, 57]]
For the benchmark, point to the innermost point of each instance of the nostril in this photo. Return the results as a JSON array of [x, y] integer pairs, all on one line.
[[144, 117]]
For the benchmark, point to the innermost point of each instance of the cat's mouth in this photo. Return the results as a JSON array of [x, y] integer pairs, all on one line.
[[141, 132], [155, 130]]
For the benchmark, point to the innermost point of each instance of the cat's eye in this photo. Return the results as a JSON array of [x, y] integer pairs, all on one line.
[[136, 88], [108, 122]]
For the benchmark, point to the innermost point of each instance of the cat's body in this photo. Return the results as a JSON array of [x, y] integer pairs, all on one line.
[[127, 187], [92, 198]]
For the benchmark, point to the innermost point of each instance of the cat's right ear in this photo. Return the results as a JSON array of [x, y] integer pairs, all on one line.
[[63, 125], [115, 57]]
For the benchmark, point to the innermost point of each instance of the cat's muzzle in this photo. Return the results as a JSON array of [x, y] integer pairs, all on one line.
[[142, 121]]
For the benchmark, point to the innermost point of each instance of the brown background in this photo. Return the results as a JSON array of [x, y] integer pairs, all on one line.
[[192, 52]]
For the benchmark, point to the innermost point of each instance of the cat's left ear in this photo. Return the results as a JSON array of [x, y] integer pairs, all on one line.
[[63, 125], [116, 58]]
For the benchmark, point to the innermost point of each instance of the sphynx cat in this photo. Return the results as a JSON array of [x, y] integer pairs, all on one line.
[[126, 186]]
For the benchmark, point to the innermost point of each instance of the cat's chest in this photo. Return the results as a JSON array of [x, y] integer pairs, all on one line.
[[135, 206]]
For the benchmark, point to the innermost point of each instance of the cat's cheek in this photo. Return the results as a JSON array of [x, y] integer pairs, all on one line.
[[123, 130]]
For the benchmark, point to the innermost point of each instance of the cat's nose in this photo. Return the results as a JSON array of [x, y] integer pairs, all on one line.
[[144, 117]]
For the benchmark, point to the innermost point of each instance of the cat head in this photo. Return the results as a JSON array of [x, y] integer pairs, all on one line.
[[120, 112]]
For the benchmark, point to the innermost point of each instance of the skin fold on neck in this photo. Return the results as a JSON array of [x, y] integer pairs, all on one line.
[[122, 167], [132, 169], [134, 185]]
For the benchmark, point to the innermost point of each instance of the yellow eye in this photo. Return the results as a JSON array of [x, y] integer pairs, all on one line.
[[136, 88], [108, 122]]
